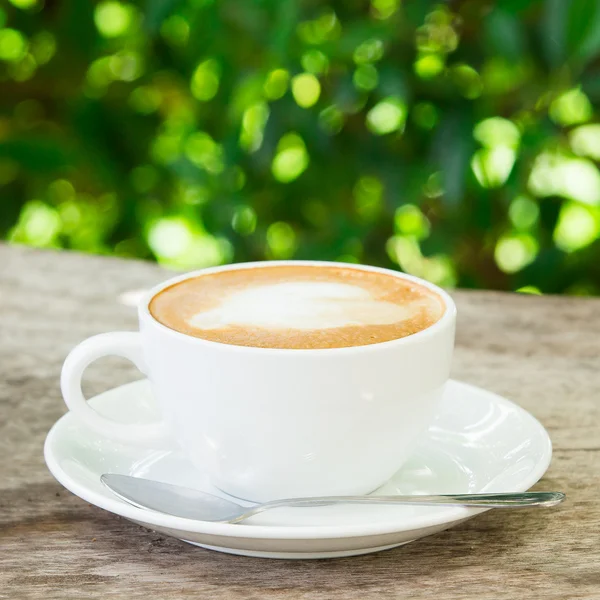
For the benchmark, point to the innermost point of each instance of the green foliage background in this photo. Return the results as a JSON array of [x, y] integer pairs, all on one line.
[[456, 141]]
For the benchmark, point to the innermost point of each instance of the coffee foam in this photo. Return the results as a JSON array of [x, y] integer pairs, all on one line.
[[297, 306], [302, 305]]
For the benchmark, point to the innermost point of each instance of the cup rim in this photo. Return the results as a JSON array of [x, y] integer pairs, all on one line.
[[447, 318]]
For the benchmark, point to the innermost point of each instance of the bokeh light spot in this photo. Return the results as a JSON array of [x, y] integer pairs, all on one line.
[[254, 120], [291, 158], [501, 76], [61, 190], [322, 29], [38, 225], [368, 198], [369, 51], [437, 34], [194, 195], [571, 108], [314, 61], [468, 81], [425, 115], [577, 227], [24, 4], [365, 77], [428, 66], [166, 148], [236, 178], [179, 244], [276, 84], [492, 166], [331, 119], [440, 269], [244, 220], [514, 252], [573, 178], [497, 131], [71, 216], [247, 92], [384, 9], [306, 89], [523, 212], [43, 47], [433, 187], [405, 251], [145, 99], [387, 116], [13, 45], [99, 74], [530, 289], [281, 241], [409, 220], [24, 69], [205, 80], [113, 19], [126, 66], [585, 141], [175, 30], [204, 152]]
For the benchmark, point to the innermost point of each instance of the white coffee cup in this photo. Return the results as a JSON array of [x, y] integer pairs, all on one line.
[[278, 423]]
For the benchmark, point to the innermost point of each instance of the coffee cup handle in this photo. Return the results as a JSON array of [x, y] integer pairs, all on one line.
[[127, 345]]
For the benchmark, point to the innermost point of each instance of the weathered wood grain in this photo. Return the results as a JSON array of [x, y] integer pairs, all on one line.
[[544, 353]]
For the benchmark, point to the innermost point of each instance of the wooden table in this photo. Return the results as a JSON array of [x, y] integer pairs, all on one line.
[[542, 352]]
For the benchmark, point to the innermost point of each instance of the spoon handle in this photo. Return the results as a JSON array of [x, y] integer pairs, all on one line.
[[193, 504], [500, 500]]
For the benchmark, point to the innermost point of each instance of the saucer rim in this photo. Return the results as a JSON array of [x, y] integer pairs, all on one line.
[[447, 515]]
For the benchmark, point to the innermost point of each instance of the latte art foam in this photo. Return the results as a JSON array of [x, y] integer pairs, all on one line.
[[302, 305], [297, 307]]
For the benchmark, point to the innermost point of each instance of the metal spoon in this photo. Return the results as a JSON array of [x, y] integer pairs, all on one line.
[[185, 502]]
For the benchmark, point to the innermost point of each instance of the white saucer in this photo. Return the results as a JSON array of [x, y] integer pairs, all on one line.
[[478, 442]]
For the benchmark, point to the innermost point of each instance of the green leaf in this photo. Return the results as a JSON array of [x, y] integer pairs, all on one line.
[[156, 12]]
